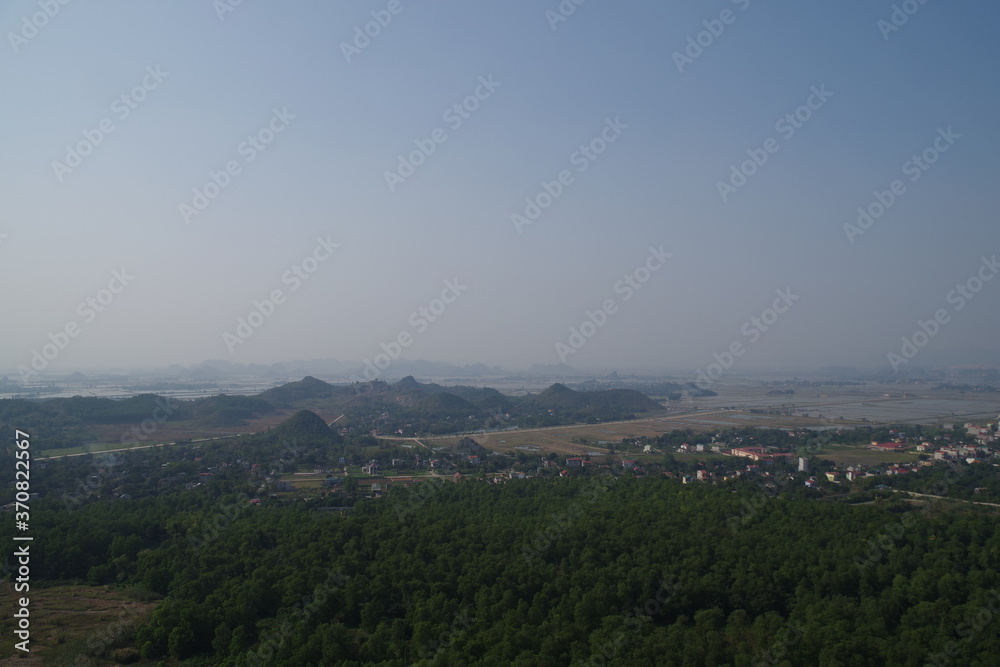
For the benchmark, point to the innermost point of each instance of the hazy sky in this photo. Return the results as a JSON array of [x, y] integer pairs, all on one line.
[[310, 127]]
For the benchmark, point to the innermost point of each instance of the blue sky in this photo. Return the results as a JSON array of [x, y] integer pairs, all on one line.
[[323, 176]]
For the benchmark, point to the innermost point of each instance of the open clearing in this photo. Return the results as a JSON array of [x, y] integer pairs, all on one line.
[[68, 621]]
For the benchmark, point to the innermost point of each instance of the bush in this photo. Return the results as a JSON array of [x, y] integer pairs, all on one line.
[[125, 656]]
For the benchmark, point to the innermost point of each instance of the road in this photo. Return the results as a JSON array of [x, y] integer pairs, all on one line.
[[927, 495], [686, 415], [132, 449]]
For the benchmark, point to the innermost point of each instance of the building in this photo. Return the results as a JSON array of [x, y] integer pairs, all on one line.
[[803, 464], [887, 446], [752, 453]]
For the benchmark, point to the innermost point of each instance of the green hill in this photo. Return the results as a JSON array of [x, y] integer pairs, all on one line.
[[305, 389], [248, 406], [305, 426], [563, 402], [444, 404], [96, 410], [559, 396], [227, 417]]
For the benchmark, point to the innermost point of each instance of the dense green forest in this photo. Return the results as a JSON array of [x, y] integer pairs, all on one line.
[[588, 571], [605, 567]]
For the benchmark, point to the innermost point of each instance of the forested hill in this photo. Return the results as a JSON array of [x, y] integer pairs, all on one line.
[[407, 407], [559, 396], [588, 571]]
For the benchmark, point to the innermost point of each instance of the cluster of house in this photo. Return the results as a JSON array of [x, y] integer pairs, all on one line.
[[759, 454], [984, 435], [578, 462], [751, 470], [854, 473], [970, 453], [980, 452]]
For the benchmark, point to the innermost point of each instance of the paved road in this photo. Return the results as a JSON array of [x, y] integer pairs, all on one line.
[[927, 495], [686, 415], [132, 449]]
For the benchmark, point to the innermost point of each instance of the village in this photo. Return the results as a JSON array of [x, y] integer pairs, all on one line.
[[720, 458]]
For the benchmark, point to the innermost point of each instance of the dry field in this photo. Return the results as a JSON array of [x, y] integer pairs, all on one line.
[[67, 622]]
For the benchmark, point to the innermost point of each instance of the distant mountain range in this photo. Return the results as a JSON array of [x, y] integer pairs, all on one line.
[[406, 407], [221, 368], [438, 399]]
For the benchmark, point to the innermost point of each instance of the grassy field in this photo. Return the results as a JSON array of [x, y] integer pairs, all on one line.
[[844, 455], [560, 439], [68, 622]]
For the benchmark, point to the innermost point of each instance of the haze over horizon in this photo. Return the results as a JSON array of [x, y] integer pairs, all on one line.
[[173, 168]]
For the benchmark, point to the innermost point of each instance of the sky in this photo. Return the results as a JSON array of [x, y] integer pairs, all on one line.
[[613, 185]]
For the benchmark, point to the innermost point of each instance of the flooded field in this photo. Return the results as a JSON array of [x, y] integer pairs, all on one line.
[[911, 404]]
